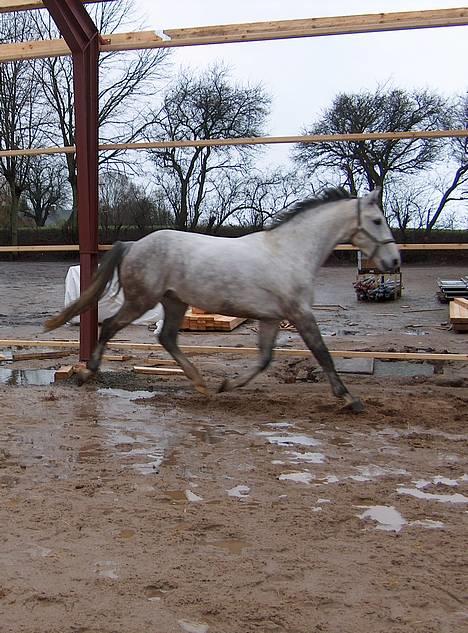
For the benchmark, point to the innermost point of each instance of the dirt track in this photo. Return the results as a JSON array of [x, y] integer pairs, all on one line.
[[134, 504]]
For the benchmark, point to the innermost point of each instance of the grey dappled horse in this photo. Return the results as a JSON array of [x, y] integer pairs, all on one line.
[[268, 276]]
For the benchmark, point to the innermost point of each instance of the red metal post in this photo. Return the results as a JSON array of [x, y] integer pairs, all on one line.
[[82, 36]]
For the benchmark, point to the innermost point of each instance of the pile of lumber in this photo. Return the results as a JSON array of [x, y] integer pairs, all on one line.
[[459, 314], [451, 288], [200, 321]]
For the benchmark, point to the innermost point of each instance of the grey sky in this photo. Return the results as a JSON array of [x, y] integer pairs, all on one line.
[[303, 75]]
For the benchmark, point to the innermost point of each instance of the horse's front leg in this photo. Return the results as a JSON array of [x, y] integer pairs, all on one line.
[[267, 331], [307, 327]]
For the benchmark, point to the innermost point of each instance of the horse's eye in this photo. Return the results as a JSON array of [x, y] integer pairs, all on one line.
[[377, 221]]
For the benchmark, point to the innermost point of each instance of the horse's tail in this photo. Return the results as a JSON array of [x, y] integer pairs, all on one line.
[[95, 290]]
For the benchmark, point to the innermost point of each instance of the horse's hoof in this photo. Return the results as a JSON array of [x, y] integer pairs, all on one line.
[[354, 405], [202, 389], [224, 386], [83, 375]]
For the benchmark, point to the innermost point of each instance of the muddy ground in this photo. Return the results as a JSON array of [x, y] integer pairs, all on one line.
[[134, 504]]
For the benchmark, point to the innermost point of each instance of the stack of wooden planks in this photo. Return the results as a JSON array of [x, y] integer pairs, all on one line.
[[459, 314], [200, 321]]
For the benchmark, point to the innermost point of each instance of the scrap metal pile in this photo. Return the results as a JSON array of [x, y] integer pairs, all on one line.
[[452, 288], [373, 288]]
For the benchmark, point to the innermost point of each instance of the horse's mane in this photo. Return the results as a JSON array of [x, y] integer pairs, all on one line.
[[329, 195]]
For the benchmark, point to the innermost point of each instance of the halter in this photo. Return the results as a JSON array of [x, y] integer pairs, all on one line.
[[361, 229]]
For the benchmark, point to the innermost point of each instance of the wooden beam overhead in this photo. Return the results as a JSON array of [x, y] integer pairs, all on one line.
[[70, 248], [246, 32], [27, 5], [252, 140]]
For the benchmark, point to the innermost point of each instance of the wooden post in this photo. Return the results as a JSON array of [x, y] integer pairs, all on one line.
[[82, 37]]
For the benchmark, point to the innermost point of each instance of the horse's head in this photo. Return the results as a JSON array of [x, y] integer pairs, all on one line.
[[372, 234]]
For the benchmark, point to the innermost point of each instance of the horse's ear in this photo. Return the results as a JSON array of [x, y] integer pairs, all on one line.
[[374, 195]]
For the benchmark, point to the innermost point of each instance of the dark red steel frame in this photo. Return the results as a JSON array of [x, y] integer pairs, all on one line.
[[82, 36]]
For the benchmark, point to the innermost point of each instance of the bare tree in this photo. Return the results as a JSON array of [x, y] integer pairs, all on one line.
[[127, 81], [457, 187], [207, 106], [44, 189], [263, 193], [373, 162], [20, 117], [125, 203]]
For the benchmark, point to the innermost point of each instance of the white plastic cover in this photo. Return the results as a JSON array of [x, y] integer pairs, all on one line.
[[109, 303]]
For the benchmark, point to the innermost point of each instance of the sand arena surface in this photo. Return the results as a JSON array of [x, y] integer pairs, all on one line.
[[134, 504]]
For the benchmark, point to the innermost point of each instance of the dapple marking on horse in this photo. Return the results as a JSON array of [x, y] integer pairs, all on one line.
[[268, 275]]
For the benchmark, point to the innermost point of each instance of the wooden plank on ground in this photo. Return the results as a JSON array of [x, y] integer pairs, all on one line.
[[459, 314], [159, 362], [158, 371], [119, 358], [41, 355], [214, 349], [64, 372]]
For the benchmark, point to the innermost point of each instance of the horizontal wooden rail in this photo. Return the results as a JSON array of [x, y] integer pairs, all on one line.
[[212, 349], [70, 248], [27, 5], [247, 32], [251, 140]]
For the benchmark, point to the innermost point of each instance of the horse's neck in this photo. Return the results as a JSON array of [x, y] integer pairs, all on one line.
[[314, 234]]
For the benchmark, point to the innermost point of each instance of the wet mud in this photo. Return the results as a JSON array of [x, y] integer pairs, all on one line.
[[269, 509], [135, 504]]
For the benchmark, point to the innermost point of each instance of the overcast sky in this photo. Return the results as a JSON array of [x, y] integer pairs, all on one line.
[[303, 75]]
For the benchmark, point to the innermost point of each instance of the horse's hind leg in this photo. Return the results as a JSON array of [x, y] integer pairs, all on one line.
[[267, 332], [309, 330], [174, 311], [126, 314]]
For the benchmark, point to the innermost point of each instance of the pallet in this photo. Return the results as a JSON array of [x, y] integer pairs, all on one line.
[[205, 322], [459, 314]]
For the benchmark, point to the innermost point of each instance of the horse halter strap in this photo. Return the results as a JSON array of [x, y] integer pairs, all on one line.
[[361, 229]]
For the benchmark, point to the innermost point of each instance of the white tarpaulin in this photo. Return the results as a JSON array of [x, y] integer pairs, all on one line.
[[109, 303]]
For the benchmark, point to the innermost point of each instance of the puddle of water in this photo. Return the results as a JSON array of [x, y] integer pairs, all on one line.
[[134, 435], [193, 627], [239, 491], [191, 496], [125, 393], [279, 425], [106, 569], [424, 483], [309, 458], [329, 479], [428, 523], [387, 518], [37, 551], [36, 377], [367, 473], [429, 496], [291, 440], [300, 477], [420, 430], [207, 435], [155, 594]]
